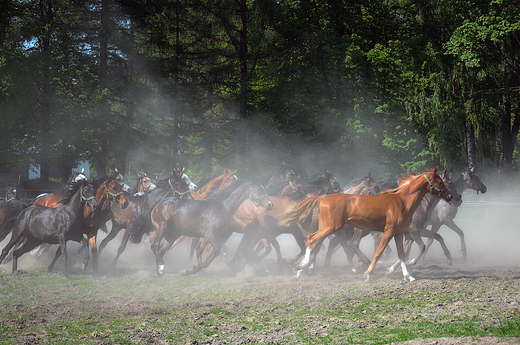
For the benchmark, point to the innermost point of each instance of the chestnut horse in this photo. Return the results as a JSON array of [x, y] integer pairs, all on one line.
[[365, 185], [389, 212], [39, 224], [258, 224], [208, 218]]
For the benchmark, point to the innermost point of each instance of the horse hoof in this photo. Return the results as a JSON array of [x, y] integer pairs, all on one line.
[[160, 270], [298, 274], [410, 278], [449, 262], [354, 270], [412, 262], [84, 267]]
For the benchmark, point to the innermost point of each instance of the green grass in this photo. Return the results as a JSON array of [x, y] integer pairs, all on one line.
[[177, 309]]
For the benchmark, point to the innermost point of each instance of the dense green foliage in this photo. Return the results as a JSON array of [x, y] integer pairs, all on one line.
[[388, 86]]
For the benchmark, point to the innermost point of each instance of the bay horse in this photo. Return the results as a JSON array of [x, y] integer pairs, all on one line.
[[444, 213], [389, 212], [143, 184], [191, 185], [122, 218], [208, 218], [257, 224], [10, 209], [121, 179], [39, 224]]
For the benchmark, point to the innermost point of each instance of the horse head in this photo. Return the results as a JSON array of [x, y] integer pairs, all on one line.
[[370, 186], [259, 196], [114, 191], [437, 186], [88, 195], [332, 183], [12, 191], [473, 181]]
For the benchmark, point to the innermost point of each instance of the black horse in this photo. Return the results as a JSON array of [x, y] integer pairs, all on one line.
[[38, 224]]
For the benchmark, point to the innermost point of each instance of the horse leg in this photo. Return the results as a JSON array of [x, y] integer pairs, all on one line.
[[111, 235], [56, 256], [417, 239], [93, 247], [400, 253], [387, 236], [333, 243], [214, 250], [122, 247], [354, 244], [436, 236], [24, 248], [451, 224]]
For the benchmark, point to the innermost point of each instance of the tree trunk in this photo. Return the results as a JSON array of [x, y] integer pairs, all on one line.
[[103, 83], [242, 128], [470, 144]]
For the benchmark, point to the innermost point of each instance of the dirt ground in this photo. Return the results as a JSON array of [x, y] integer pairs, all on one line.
[[283, 289]]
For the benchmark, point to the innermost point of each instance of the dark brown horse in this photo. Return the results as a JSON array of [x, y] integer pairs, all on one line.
[[108, 191], [39, 224], [121, 218], [389, 212], [207, 218], [10, 209]]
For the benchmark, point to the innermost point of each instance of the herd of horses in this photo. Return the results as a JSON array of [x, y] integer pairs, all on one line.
[[261, 208]]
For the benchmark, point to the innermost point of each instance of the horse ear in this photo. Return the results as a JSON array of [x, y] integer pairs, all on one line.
[[369, 175], [435, 169]]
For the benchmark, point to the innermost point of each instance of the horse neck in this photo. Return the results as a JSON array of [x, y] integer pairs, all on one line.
[[460, 183], [75, 204], [413, 193], [154, 196], [235, 199]]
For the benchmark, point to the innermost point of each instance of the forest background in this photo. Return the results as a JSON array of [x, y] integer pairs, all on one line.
[[350, 86]]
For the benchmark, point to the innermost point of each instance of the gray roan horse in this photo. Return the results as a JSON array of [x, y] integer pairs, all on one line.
[[444, 213], [39, 224], [208, 218]]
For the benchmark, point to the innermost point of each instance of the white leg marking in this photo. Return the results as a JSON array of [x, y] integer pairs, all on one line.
[[406, 275], [161, 269]]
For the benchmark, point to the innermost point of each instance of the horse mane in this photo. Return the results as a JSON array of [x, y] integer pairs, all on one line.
[[99, 180], [226, 192], [310, 185], [403, 181], [71, 190], [353, 183], [163, 183]]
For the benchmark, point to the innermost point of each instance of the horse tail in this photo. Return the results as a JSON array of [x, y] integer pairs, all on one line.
[[302, 208], [140, 225]]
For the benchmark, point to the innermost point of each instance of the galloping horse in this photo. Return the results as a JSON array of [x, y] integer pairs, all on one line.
[[39, 224], [258, 224], [365, 185], [389, 212], [121, 218], [10, 209], [107, 190], [121, 179], [208, 218], [444, 213]]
